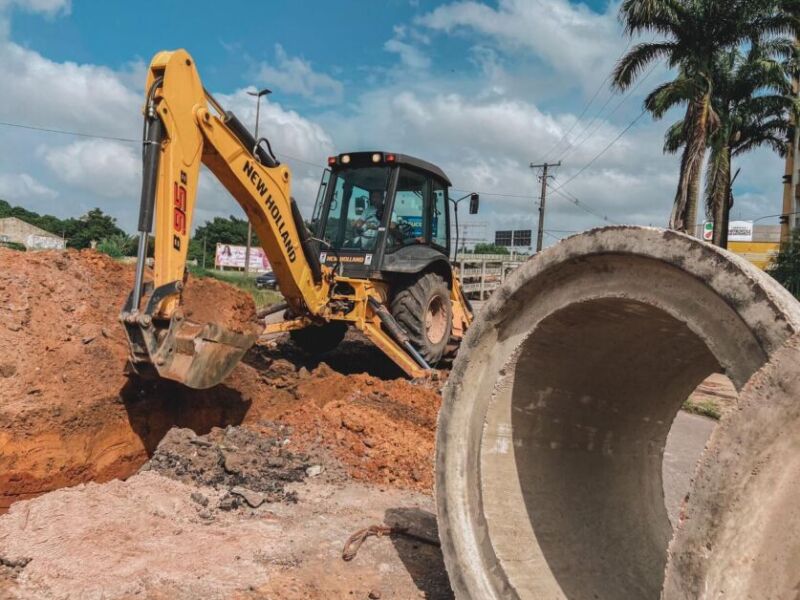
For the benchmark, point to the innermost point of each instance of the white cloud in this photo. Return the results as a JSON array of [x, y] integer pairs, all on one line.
[[571, 38], [294, 75], [486, 144], [65, 95], [292, 137], [104, 168], [17, 187], [46, 7], [410, 56]]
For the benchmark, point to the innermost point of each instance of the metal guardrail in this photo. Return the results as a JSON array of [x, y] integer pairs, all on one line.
[[481, 274]]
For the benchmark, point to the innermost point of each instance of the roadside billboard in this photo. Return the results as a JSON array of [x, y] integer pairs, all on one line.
[[229, 256], [738, 231]]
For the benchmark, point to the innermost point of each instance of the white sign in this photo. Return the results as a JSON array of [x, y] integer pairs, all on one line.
[[228, 255], [740, 231]]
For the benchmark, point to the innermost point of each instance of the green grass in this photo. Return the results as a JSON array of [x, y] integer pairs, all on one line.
[[706, 408], [244, 282]]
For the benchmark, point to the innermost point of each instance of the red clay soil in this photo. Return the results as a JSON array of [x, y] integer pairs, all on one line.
[[69, 414]]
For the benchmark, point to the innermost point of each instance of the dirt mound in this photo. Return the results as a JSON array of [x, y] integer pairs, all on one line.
[[381, 430], [69, 414], [206, 300], [253, 465]]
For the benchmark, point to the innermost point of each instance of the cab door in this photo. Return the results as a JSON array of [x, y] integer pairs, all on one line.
[[416, 233]]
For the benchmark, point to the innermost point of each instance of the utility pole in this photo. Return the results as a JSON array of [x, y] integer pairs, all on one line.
[[205, 237], [258, 94], [542, 199]]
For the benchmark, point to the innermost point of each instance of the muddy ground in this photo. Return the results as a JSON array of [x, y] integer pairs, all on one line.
[[117, 487]]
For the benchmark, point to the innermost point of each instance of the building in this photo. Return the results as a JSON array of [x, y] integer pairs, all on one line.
[[762, 248], [757, 244], [18, 231]]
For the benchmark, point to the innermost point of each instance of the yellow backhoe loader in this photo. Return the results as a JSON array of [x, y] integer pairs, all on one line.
[[378, 259]]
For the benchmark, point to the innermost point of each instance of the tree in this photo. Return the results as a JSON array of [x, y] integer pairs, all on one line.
[[752, 101], [92, 227], [785, 266], [694, 34], [117, 246]]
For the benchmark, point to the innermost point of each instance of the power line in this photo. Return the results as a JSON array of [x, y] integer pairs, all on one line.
[[73, 133], [555, 237], [499, 195], [588, 105], [122, 139], [580, 204], [581, 139], [604, 150]]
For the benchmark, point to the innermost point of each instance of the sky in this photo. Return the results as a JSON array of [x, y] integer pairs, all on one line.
[[483, 89]]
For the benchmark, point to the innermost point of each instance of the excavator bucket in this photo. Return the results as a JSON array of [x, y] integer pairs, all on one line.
[[198, 355]]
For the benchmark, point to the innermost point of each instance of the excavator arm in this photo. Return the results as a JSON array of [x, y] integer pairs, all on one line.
[[184, 128]]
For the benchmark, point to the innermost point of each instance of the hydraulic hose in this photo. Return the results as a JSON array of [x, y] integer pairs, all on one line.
[[396, 331], [151, 153]]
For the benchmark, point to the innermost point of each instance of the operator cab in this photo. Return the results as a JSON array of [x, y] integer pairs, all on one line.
[[379, 213]]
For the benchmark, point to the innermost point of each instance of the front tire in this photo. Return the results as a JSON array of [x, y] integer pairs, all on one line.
[[317, 339], [424, 310]]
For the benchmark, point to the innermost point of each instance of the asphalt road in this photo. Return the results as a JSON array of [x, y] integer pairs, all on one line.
[[685, 443]]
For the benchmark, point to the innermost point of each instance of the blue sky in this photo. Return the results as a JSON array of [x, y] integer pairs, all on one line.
[[482, 89]]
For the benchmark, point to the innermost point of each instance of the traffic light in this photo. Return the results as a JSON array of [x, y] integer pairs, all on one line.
[[474, 199]]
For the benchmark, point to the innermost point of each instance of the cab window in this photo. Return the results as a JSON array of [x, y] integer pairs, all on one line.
[[407, 225], [439, 216], [355, 208]]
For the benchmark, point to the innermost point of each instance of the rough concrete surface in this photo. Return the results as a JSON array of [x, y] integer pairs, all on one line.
[[739, 536], [556, 414]]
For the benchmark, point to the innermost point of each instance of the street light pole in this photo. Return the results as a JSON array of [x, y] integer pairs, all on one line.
[[471, 195], [258, 94]]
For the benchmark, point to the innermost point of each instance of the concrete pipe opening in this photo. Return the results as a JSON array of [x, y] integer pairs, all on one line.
[[556, 414]]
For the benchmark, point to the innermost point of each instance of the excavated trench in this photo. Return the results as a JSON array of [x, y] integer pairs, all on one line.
[[44, 449], [555, 418]]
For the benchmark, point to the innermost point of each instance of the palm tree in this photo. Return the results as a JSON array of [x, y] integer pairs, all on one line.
[[695, 33], [751, 102]]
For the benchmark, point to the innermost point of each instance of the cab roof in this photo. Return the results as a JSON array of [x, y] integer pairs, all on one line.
[[364, 158]]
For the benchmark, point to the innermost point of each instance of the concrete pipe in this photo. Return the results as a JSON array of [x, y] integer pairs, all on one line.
[[556, 413]]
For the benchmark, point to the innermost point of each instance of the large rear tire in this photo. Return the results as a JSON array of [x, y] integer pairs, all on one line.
[[317, 339], [424, 310]]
